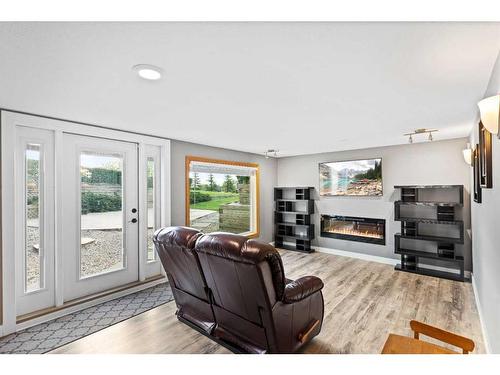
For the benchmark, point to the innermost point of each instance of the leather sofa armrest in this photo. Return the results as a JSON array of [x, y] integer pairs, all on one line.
[[301, 288]]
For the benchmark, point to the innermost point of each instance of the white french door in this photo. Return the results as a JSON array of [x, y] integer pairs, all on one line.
[[100, 215], [78, 212]]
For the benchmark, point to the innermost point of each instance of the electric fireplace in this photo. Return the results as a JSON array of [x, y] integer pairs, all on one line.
[[361, 229]]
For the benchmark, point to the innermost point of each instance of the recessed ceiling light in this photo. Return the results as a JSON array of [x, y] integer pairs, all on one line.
[[149, 72]]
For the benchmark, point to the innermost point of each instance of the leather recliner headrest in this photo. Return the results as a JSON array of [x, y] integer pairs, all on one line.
[[240, 249], [177, 236]]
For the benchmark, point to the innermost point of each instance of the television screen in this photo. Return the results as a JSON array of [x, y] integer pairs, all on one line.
[[351, 178]]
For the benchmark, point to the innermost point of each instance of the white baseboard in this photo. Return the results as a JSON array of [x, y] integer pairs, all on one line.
[[385, 260], [351, 254], [480, 312], [379, 259], [82, 306]]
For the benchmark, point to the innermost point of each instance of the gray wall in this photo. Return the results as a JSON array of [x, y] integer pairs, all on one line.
[[419, 163], [179, 151], [486, 238]]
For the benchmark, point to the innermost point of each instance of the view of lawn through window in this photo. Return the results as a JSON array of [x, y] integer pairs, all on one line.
[[222, 197]]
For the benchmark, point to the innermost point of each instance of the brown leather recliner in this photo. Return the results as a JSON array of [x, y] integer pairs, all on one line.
[[175, 247], [254, 308]]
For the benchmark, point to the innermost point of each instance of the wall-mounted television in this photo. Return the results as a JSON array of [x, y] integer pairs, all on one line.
[[351, 178]]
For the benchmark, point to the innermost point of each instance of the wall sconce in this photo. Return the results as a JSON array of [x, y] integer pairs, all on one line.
[[489, 109], [468, 154], [421, 131]]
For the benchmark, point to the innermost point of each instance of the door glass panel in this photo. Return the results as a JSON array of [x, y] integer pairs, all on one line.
[[101, 225], [151, 206], [34, 245]]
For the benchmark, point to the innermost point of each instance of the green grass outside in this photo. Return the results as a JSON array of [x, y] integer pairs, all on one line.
[[217, 194], [218, 199]]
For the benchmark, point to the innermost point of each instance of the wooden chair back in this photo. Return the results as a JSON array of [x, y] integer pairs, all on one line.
[[467, 345]]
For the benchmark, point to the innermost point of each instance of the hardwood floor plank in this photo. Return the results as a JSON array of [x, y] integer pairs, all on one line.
[[364, 302]]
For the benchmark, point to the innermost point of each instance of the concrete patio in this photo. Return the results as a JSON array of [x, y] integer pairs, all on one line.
[[101, 220]]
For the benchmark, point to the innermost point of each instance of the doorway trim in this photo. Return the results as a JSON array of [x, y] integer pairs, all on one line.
[[9, 120]]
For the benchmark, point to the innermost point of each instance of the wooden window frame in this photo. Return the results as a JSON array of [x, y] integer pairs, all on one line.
[[189, 159]]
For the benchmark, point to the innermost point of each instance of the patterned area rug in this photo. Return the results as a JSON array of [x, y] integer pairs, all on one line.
[[45, 337]]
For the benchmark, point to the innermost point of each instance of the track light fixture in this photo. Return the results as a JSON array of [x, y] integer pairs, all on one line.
[[270, 152], [421, 131]]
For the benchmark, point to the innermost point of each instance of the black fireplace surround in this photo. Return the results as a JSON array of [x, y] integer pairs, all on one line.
[[361, 229]]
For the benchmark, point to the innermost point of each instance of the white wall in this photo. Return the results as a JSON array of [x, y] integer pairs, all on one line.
[[419, 163], [486, 238], [179, 151]]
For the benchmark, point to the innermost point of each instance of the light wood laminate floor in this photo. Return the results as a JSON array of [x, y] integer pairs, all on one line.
[[364, 302]]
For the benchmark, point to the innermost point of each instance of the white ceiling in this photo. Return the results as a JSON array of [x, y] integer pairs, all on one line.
[[296, 87]]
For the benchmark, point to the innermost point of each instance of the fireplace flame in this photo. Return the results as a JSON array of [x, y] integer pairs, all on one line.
[[354, 232]]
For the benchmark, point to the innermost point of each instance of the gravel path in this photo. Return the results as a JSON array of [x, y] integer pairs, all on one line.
[[33, 262], [104, 254]]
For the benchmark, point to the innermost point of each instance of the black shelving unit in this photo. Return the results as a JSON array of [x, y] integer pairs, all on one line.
[[442, 218], [292, 218]]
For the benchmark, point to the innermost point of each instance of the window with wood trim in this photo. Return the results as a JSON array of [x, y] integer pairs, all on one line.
[[222, 196]]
